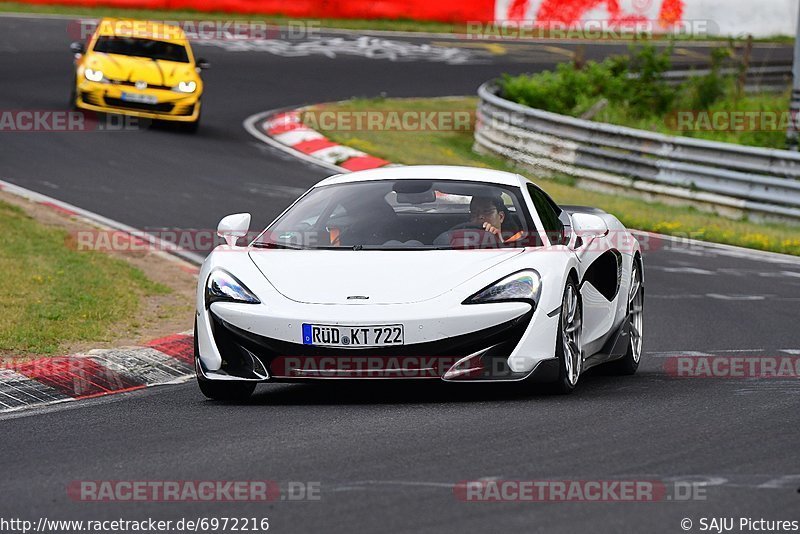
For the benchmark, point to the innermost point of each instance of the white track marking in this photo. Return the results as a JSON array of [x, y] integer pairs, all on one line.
[[697, 353], [686, 270], [720, 296]]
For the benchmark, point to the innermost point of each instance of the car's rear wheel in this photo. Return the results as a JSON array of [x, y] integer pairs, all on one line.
[[629, 363], [569, 348], [222, 390]]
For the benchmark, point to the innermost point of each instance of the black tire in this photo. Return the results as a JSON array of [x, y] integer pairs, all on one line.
[[629, 364], [221, 390], [564, 385], [190, 127], [73, 96]]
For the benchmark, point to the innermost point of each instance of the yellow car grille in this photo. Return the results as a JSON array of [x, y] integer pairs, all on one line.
[[92, 98], [163, 107], [184, 109], [133, 84]]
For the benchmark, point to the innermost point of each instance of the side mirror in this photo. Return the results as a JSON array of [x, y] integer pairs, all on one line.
[[588, 226], [202, 64], [77, 47], [233, 227]]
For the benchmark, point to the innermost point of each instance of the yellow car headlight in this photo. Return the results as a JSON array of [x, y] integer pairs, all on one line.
[[94, 75], [187, 87]]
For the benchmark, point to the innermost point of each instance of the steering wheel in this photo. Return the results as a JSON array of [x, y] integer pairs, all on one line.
[[464, 236], [469, 225]]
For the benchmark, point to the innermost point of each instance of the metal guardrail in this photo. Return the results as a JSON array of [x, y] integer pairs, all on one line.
[[771, 78], [732, 180]]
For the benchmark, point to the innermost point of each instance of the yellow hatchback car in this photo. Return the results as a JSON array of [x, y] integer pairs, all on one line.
[[139, 68]]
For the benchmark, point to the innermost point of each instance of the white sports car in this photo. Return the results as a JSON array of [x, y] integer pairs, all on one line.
[[425, 272]]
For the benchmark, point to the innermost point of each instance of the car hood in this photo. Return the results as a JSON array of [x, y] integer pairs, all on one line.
[[385, 277], [136, 69]]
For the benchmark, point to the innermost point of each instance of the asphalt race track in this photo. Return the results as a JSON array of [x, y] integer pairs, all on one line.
[[386, 458]]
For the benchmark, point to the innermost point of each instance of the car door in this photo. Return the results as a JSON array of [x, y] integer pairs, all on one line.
[[600, 271], [598, 268]]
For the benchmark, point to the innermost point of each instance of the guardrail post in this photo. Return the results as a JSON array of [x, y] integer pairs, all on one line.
[[744, 66], [794, 108]]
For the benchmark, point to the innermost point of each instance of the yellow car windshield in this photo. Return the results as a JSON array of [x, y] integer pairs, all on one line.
[[149, 48]]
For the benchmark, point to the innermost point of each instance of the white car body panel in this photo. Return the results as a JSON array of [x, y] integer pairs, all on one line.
[[423, 290], [404, 277]]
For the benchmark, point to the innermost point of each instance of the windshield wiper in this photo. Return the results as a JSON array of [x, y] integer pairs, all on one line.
[[270, 244]]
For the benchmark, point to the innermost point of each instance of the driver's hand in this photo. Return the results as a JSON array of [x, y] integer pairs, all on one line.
[[491, 229]]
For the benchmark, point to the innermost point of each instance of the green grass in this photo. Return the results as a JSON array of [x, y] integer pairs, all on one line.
[[455, 148], [351, 24], [52, 294]]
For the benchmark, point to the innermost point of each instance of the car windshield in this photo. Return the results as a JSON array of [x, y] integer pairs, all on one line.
[[404, 215], [149, 48]]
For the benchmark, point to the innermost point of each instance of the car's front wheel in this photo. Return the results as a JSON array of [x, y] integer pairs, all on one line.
[[569, 348], [226, 390], [192, 127], [73, 95]]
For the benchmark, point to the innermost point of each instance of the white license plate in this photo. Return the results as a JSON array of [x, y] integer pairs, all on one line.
[[139, 98], [388, 335]]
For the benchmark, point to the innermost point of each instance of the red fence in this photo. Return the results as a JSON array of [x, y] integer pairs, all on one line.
[[437, 10], [666, 12]]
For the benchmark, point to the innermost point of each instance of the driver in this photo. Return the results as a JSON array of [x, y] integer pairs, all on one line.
[[489, 212]]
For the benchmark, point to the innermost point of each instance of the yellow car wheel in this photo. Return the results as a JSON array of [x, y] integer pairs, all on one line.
[[191, 127], [73, 95]]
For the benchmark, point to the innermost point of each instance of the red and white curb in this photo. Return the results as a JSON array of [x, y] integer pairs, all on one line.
[[99, 372], [285, 130]]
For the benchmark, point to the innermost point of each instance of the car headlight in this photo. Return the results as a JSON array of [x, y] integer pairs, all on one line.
[[525, 286], [186, 87], [94, 75], [223, 286]]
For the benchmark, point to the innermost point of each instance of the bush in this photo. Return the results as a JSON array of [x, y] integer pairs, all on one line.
[[638, 94], [635, 82], [702, 92]]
